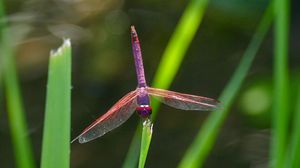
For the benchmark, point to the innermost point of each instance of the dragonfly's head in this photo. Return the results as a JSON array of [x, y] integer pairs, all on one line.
[[144, 111]]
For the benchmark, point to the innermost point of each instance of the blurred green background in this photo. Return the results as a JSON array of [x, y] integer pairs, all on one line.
[[103, 71]]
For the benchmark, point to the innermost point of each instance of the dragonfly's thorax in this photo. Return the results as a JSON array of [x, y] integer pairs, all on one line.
[[144, 111]]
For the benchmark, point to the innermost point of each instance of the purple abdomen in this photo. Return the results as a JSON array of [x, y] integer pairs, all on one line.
[[144, 111]]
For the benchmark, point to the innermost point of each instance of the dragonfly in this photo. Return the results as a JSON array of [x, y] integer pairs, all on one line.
[[138, 100]]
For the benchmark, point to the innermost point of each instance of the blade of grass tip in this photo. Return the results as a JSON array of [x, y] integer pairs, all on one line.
[[173, 56], [56, 135], [293, 160], [280, 106], [145, 143], [202, 144], [16, 116]]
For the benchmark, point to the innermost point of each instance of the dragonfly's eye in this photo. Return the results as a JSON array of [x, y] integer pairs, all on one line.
[[144, 111]]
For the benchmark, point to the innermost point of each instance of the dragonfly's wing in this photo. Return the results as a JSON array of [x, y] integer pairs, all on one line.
[[113, 118], [184, 101]]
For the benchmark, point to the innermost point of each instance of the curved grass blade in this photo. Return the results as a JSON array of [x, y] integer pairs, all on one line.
[[172, 59], [56, 135], [131, 158], [16, 115], [199, 149], [281, 105]]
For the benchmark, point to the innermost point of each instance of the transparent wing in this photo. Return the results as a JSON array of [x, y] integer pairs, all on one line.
[[114, 117], [184, 101]]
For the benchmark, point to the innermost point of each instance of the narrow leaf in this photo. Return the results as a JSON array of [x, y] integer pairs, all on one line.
[[280, 106], [16, 114], [131, 158], [204, 141], [294, 155], [56, 138]]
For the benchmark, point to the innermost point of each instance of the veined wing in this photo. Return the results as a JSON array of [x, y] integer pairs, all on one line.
[[184, 101], [114, 117]]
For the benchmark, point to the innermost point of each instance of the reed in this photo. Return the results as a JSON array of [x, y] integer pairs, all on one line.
[[205, 139], [16, 114], [281, 82], [57, 123]]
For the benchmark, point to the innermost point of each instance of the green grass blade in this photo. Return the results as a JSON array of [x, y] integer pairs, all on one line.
[[56, 138], [175, 51], [1, 54], [280, 106], [131, 158], [294, 155], [199, 149], [172, 58], [16, 115], [145, 143]]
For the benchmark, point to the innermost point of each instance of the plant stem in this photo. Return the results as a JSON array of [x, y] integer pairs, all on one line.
[[280, 106]]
